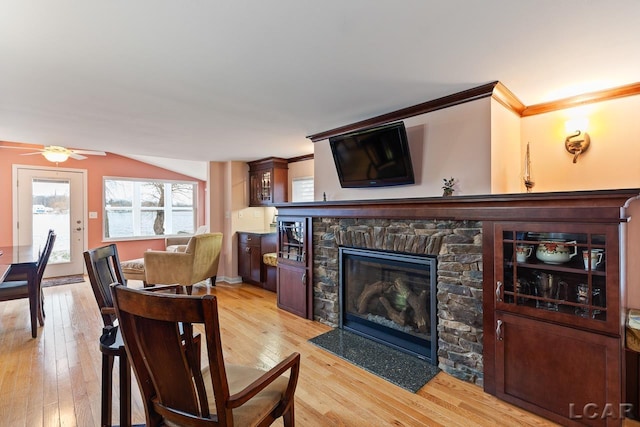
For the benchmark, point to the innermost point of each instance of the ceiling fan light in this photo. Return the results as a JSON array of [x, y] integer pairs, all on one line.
[[55, 157]]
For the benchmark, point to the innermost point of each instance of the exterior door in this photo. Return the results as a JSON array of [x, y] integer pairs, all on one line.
[[51, 198]]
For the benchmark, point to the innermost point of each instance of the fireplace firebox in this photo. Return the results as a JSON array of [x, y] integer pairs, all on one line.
[[390, 297]]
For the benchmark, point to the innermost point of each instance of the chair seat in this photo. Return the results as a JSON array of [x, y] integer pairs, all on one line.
[[255, 409], [14, 289], [270, 258], [133, 269]]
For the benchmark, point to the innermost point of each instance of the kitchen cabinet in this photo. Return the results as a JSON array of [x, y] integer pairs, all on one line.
[[251, 247], [294, 270], [268, 181]]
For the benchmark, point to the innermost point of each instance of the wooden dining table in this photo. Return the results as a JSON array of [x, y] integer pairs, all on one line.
[[11, 255]]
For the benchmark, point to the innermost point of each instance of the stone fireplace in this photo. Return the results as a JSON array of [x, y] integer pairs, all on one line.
[[390, 297], [457, 246]]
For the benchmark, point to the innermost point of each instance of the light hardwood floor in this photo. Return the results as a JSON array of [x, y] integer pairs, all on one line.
[[54, 380]]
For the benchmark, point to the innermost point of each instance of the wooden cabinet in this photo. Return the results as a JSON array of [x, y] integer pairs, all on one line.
[[294, 270], [251, 247], [565, 374], [268, 181], [557, 333]]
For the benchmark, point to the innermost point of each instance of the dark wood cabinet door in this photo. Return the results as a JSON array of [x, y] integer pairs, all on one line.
[[565, 374], [249, 257], [244, 260], [292, 289], [255, 264], [564, 292]]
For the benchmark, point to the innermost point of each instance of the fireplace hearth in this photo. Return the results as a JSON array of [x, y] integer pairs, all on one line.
[[390, 297]]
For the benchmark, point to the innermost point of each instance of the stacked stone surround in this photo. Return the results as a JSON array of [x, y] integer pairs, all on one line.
[[458, 247]]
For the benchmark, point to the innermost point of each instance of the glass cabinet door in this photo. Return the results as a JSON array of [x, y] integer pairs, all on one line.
[[558, 274], [291, 238], [260, 184]]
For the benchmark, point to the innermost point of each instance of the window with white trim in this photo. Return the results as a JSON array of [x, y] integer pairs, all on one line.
[[148, 208], [302, 189]]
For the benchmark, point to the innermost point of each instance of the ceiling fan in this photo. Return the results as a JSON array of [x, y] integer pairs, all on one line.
[[57, 154]]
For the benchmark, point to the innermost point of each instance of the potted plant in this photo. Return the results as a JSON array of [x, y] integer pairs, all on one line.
[[447, 187]]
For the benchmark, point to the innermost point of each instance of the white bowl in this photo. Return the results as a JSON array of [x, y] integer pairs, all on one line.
[[555, 252]]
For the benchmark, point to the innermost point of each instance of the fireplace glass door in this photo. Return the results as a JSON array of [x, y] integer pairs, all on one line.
[[391, 298]]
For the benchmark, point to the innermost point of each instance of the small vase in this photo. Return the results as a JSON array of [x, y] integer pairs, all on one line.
[[447, 192]]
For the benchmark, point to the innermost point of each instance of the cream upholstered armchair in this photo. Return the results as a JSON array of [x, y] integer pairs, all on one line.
[[198, 262]]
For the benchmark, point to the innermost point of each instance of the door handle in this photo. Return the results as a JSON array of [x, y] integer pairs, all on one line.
[[499, 330], [499, 291], [304, 279]]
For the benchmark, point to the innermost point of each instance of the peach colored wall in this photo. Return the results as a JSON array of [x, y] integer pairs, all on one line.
[[218, 200], [611, 161], [452, 142], [506, 153], [97, 167]]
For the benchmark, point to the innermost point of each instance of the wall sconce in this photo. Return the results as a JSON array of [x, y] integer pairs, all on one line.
[[578, 141]]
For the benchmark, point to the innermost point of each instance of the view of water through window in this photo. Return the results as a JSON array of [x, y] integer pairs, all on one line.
[[51, 211]]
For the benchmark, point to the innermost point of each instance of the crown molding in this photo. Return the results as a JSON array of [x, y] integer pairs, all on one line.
[[587, 98], [468, 95], [495, 90]]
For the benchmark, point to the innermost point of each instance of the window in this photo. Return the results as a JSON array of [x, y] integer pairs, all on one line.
[[148, 208], [302, 189]]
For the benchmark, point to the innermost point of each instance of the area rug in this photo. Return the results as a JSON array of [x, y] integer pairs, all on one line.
[[63, 280], [397, 367]]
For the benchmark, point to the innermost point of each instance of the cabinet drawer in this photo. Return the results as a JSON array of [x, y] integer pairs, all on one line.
[[249, 239]]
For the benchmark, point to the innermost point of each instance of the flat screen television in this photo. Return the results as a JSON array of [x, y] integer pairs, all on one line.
[[373, 157]]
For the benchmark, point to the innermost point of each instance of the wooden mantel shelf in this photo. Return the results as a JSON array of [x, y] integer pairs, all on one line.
[[575, 205]]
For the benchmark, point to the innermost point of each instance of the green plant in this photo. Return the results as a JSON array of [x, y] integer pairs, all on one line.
[[448, 185]]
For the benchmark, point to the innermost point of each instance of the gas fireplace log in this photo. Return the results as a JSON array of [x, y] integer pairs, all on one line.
[[400, 317], [370, 291], [419, 305], [417, 302]]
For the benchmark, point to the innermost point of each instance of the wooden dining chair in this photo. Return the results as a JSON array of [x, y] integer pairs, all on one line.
[[25, 281], [174, 387], [104, 269]]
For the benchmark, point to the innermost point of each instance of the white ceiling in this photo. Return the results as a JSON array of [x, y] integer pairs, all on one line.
[[246, 79]]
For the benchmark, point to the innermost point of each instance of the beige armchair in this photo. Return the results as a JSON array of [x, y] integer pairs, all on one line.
[[197, 263]]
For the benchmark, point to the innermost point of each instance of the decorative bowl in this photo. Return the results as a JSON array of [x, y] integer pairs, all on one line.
[[556, 251]]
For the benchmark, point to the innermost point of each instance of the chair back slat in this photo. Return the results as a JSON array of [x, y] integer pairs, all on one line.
[[177, 390], [103, 269], [168, 379], [44, 256]]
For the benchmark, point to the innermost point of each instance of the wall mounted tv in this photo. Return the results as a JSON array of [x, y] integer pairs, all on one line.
[[373, 157]]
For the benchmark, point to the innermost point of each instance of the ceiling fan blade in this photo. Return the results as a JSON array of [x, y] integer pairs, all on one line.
[[31, 154], [19, 148], [77, 156], [90, 152]]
